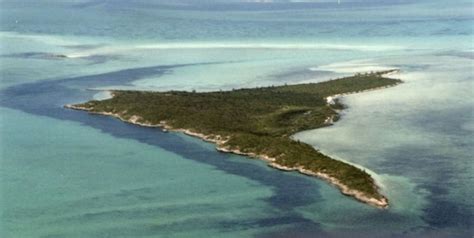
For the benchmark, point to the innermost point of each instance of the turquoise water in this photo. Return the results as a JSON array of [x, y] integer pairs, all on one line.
[[69, 174]]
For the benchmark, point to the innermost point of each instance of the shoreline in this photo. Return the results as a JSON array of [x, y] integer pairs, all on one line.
[[331, 100], [219, 141]]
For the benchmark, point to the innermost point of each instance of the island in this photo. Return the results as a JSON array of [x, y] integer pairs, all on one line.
[[258, 122]]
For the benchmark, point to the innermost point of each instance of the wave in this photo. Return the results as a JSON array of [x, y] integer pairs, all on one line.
[[352, 67], [231, 45], [101, 46], [48, 39], [114, 49]]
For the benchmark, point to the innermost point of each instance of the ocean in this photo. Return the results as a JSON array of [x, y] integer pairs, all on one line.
[[66, 173]]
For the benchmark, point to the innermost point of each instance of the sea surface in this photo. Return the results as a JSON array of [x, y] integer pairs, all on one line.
[[66, 173]]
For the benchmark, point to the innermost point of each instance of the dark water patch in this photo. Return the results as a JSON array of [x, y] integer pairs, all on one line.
[[441, 177], [289, 220], [92, 59], [149, 211], [48, 97], [84, 46], [35, 55], [457, 53], [445, 214], [87, 4]]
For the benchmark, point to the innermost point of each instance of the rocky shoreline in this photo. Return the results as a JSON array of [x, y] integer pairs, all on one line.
[[220, 146], [380, 203], [220, 142]]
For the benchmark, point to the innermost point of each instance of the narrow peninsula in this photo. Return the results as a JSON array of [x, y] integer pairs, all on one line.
[[258, 122]]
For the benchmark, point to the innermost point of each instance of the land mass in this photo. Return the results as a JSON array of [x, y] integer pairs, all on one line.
[[258, 122]]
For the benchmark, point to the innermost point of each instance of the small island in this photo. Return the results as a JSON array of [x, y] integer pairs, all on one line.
[[258, 122]]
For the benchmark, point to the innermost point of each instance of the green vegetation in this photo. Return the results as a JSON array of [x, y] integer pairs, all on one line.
[[257, 120]]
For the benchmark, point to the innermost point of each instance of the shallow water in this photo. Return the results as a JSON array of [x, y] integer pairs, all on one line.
[[69, 174], [415, 137]]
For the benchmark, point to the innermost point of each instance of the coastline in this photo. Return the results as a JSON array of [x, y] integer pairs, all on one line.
[[219, 141], [331, 100]]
